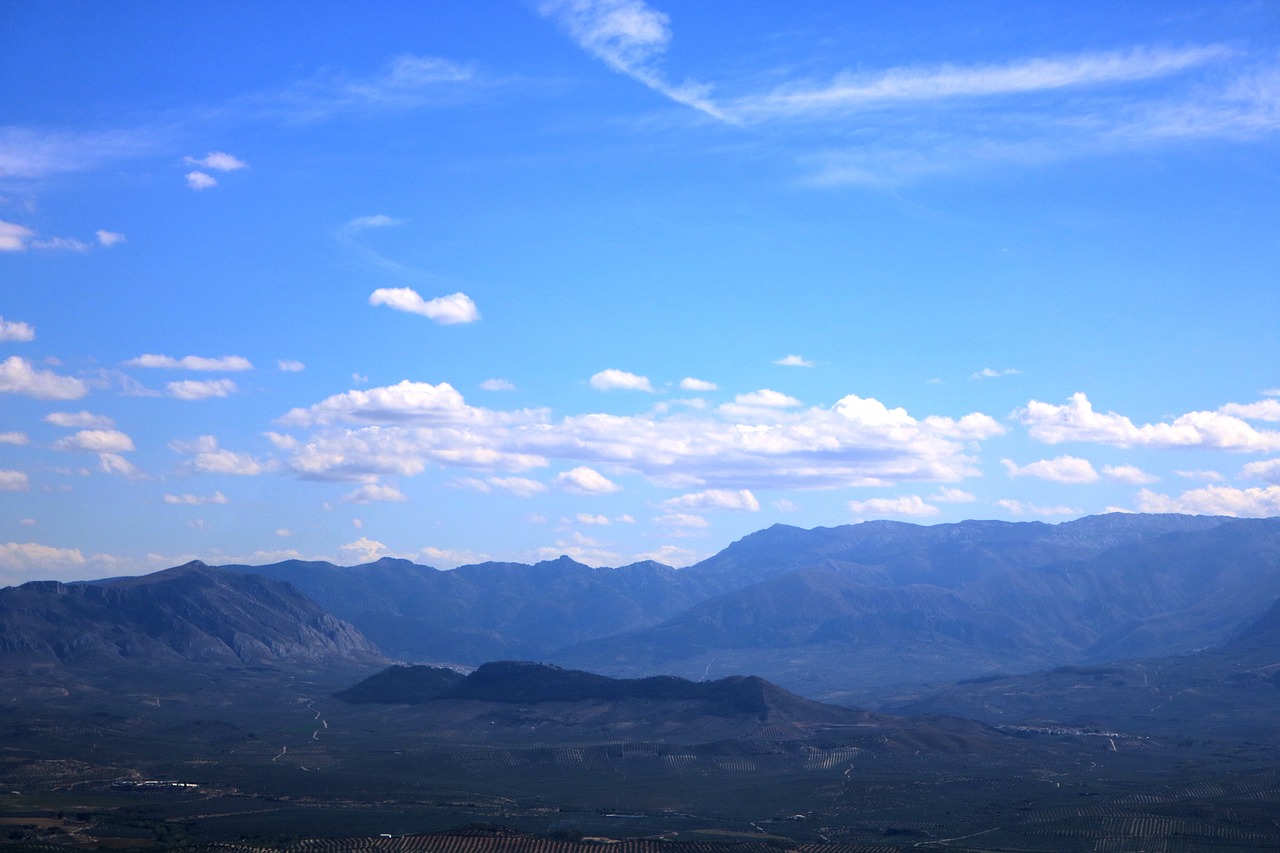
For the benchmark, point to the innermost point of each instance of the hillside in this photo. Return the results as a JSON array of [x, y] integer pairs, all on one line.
[[518, 701], [192, 614], [1232, 690]]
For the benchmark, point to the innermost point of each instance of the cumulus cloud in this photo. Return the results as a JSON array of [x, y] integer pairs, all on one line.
[[741, 499], [907, 505], [198, 180], [1077, 421], [1216, 500], [794, 361], [13, 330], [1268, 469], [107, 239], [218, 161], [14, 237], [586, 481], [17, 376], [619, 380], [374, 493], [1018, 508], [400, 429], [766, 398], [953, 496], [364, 550], [588, 518], [24, 561], [114, 463], [197, 389], [13, 481], [14, 437], [226, 363], [989, 373], [1204, 476], [96, 441], [519, 486], [1062, 469], [79, 420], [497, 385], [1128, 474], [446, 310], [289, 366], [196, 500], [207, 457], [1263, 410], [697, 385]]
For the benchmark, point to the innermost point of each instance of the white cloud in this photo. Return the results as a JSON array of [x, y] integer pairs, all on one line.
[[904, 85], [17, 376], [282, 441], [399, 430], [619, 380], [196, 389], [765, 398], [1216, 500], [588, 518], [1268, 470], [61, 244], [201, 180], [114, 463], [79, 420], [226, 363], [451, 558], [586, 481], [218, 161], [908, 505], [519, 486], [1128, 474], [1019, 508], [372, 492], [953, 496], [364, 550], [14, 437], [108, 239], [741, 499], [1061, 469], [682, 519], [497, 385], [404, 82], [13, 481], [24, 561], [988, 373], [698, 385], [1077, 421], [196, 500], [1263, 410], [13, 330], [628, 36], [284, 532], [96, 441], [1205, 476], [671, 555], [14, 237], [208, 457], [794, 361], [290, 366], [446, 310]]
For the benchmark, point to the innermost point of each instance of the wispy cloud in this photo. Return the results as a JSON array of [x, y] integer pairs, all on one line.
[[897, 86], [630, 37]]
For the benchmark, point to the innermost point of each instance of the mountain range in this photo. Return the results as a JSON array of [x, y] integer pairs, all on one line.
[[841, 613]]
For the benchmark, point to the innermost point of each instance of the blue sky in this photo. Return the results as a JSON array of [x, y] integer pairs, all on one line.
[[625, 280]]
